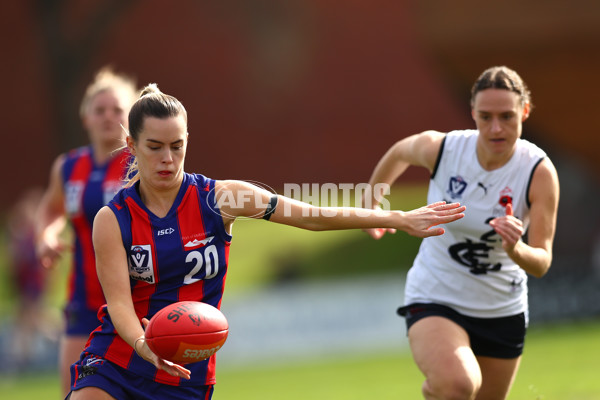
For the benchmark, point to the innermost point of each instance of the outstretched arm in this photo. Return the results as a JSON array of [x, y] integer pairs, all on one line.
[[252, 202], [420, 150]]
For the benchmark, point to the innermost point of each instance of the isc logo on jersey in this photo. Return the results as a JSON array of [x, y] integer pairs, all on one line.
[[141, 267]]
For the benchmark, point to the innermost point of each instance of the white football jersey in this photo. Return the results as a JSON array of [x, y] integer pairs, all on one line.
[[466, 268]]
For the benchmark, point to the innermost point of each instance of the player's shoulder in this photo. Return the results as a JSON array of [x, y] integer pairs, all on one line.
[[196, 179], [531, 149], [458, 141], [462, 134], [119, 201], [105, 227], [78, 152], [105, 218]]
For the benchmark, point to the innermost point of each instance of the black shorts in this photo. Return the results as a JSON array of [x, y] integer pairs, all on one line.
[[502, 337]]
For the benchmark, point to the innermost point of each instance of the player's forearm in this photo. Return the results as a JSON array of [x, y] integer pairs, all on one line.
[[336, 218], [534, 260], [126, 322]]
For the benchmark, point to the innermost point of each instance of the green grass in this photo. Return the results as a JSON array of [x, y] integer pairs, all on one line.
[[560, 362]]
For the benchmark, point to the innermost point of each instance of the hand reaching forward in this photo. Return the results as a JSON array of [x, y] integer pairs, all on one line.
[[144, 351], [509, 228], [419, 221], [422, 219]]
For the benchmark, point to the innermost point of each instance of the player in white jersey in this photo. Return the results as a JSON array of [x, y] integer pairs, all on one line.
[[466, 294]]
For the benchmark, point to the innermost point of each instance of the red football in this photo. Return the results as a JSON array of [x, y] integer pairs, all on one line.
[[186, 332]]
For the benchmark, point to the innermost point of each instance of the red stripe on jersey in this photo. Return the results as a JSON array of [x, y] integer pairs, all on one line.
[[119, 352], [117, 168], [141, 234], [227, 247], [76, 375], [211, 368], [191, 225], [163, 377], [142, 291], [191, 292], [82, 168], [94, 295], [80, 173]]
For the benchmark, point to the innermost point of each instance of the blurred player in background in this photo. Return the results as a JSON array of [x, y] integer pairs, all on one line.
[[29, 281], [166, 238], [466, 294], [81, 182]]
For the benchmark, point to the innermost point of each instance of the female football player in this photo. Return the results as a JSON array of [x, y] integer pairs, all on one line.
[[166, 238], [81, 182], [466, 294]]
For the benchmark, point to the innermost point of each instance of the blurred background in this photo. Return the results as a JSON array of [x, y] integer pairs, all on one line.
[[302, 91]]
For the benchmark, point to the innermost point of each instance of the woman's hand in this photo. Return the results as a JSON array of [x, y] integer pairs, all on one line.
[[49, 251], [418, 222], [142, 349], [509, 228]]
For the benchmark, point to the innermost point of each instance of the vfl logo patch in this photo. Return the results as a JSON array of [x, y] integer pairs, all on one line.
[[456, 187], [73, 195], [141, 267], [110, 189], [193, 244]]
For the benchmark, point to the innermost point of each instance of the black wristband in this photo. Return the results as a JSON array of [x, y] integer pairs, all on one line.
[[271, 207]]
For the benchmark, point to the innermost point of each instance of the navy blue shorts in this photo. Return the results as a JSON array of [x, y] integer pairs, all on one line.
[[93, 371], [80, 321], [502, 337]]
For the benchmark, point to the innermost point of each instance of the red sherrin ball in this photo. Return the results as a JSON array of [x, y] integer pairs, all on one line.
[[187, 332]]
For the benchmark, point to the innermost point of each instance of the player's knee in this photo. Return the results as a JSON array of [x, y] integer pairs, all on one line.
[[456, 388]]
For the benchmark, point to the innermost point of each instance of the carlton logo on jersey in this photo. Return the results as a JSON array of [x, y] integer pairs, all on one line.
[[456, 186], [141, 267]]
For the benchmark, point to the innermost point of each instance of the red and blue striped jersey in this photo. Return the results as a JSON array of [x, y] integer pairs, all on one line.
[[182, 256], [88, 187]]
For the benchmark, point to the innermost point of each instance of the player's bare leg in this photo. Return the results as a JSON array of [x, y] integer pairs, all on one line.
[[442, 351], [70, 350], [498, 376]]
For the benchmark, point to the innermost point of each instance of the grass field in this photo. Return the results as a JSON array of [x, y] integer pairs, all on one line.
[[560, 362]]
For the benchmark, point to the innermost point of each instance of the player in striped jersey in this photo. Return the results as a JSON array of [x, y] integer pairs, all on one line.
[[166, 237], [466, 293], [81, 182]]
